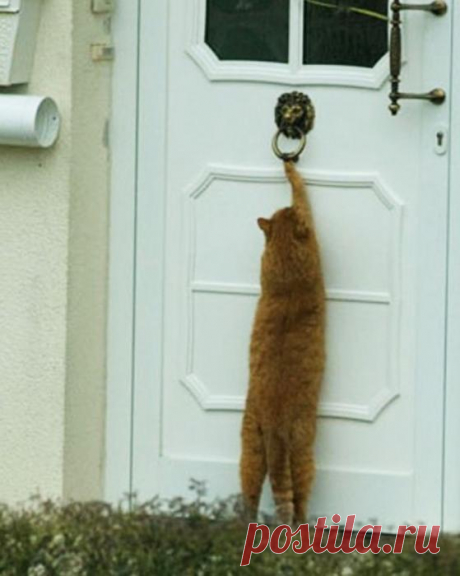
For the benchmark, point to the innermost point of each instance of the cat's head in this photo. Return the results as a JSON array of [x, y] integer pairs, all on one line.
[[284, 227], [290, 256]]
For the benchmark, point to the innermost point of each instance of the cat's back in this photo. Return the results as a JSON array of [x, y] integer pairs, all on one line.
[[286, 356]]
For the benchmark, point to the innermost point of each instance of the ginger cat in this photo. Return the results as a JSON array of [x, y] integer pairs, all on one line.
[[287, 358]]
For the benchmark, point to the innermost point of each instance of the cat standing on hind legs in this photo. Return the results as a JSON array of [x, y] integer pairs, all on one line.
[[287, 358]]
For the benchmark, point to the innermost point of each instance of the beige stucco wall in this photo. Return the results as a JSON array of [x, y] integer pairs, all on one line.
[[53, 254]]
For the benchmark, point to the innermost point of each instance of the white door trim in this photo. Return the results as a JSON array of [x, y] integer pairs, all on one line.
[[132, 124], [123, 143], [451, 484], [132, 250]]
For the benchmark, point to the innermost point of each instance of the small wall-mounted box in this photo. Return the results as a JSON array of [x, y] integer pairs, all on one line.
[[19, 21]]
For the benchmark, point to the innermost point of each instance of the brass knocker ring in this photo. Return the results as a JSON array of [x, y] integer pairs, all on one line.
[[286, 156]]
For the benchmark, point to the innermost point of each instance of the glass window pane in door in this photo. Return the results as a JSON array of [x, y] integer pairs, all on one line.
[[256, 30], [345, 32]]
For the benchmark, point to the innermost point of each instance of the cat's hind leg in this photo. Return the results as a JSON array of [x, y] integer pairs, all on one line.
[[253, 466], [303, 473], [279, 471]]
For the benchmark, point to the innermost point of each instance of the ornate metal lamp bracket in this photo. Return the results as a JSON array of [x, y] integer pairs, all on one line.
[[435, 96], [294, 116]]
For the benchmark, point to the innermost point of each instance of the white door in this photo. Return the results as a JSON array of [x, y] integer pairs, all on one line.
[[210, 75]]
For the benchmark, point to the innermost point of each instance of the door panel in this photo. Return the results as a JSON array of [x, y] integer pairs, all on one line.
[[381, 227]]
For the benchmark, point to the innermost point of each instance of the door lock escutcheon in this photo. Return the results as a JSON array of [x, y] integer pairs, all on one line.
[[435, 96]]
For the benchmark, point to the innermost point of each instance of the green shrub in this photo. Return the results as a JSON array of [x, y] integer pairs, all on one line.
[[174, 538]]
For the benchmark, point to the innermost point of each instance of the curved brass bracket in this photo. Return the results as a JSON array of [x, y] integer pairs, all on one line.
[[435, 96], [295, 117]]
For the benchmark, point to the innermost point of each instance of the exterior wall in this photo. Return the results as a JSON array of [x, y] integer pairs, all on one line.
[[53, 207], [86, 342]]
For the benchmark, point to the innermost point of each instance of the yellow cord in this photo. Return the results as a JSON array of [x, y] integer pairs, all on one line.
[[362, 11]]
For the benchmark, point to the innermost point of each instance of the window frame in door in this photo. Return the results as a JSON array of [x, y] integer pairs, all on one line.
[[295, 72]]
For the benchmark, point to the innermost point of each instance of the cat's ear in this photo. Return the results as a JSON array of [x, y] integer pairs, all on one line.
[[265, 225]]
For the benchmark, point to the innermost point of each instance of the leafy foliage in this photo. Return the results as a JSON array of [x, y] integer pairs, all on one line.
[[175, 537]]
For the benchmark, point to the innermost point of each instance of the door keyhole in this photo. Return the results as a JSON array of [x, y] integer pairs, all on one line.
[[440, 146]]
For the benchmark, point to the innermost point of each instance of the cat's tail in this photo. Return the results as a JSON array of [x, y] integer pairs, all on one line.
[[279, 473]]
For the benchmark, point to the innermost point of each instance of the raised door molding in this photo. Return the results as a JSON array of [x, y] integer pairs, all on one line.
[[369, 182]]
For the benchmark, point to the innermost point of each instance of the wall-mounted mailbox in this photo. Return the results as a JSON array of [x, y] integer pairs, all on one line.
[[19, 21]]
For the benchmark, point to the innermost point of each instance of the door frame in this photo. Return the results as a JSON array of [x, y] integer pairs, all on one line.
[[132, 126]]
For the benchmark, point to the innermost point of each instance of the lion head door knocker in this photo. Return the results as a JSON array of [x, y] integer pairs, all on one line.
[[295, 117]]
